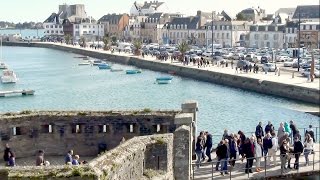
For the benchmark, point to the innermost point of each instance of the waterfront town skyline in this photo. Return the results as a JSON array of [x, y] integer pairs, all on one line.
[[38, 12]]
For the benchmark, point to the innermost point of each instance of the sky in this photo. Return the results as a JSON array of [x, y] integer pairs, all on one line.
[[38, 10]]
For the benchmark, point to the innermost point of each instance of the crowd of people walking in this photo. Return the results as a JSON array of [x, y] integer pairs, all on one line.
[[263, 144]]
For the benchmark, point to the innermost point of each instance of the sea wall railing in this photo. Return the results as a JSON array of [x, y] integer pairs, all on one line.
[[243, 171]]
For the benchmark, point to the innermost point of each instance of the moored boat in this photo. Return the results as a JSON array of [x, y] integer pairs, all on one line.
[[3, 66], [86, 58], [164, 78], [163, 81], [8, 76], [104, 66], [116, 69], [84, 63], [133, 71]]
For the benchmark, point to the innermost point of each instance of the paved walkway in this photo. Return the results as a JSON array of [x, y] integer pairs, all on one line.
[[205, 171], [284, 78]]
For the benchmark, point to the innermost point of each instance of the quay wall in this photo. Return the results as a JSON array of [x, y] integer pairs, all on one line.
[[293, 92]]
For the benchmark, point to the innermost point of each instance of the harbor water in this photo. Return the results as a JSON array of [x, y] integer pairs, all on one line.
[[61, 84]]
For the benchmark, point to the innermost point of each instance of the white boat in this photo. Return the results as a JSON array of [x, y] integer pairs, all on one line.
[[3, 66], [8, 76], [84, 63]]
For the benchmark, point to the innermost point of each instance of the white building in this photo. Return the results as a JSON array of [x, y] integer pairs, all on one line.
[[91, 31], [291, 35], [53, 25], [147, 8]]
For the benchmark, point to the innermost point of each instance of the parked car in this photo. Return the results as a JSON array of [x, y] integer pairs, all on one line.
[[289, 63], [269, 67], [194, 56], [296, 64], [207, 53], [264, 59], [307, 71], [242, 63]]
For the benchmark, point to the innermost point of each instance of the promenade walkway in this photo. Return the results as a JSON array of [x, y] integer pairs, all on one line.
[[206, 172], [284, 78]]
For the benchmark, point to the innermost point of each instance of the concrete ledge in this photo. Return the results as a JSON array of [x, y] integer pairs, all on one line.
[[184, 118]]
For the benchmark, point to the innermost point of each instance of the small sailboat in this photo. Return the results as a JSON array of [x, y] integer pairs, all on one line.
[[133, 71], [8, 76]]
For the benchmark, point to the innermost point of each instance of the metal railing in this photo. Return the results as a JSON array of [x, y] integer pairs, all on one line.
[[216, 138], [231, 171]]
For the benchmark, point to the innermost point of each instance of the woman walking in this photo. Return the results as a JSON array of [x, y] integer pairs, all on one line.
[[284, 154], [199, 148], [308, 147]]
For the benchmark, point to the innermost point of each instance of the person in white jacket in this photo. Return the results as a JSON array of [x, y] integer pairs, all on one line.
[[258, 153], [308, 147], [273, 150]]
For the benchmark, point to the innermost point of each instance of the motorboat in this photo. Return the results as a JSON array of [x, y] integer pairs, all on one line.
[[133, 71], [116, 69], [97, 62], [84, 63], [86, 58], [165, 78], [8, 76], [104, 66], [163, 81], [3, 66]]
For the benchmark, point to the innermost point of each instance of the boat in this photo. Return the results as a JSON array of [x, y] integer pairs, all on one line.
[[116, 69], [133, 71], [8, 76], [163, 81], [104, 66], [3, 66], [84, 63], [164, 78], [86, 58], [172, 72], [97, 62]]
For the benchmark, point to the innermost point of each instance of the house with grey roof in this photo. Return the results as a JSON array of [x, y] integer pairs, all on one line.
[[307, 13], [286, 11], [253, 14]]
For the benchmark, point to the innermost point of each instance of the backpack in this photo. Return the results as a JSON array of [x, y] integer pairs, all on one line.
[[269, 143]]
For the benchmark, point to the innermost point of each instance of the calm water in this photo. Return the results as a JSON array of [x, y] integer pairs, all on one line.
[[61, 84], [24, 32]]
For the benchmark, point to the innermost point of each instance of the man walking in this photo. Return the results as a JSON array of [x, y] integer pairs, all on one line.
[[208, 145], [259, 131]]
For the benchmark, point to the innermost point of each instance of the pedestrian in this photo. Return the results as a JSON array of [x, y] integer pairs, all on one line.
[[311, 132], [232, 64], [248, 151], [259, 131], [242, 138], [233, 148], [222, 154], [281, 132], [204, 139], [236, 70], [218, 157], [225, 134], [269, 128], [199, 149], [6, 154], [284, 155], [293, 128], [308, 147], [68, 158], [208, 145], [75, 161], [267, 144], [273, 150], [12, 159], [40, 158], [258, 153], [297, 150]]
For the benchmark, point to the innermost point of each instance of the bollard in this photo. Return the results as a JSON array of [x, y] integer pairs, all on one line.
[[279, 72], [292, 74]]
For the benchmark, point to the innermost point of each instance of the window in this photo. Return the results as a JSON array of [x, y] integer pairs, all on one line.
[[209, 27], [89, 32], [310, 27], [222, 27], [47, 26], [51, 26], [178, 34], [185, 35], [52, 31], [77, 33], [222, 35], [56, 26], [48, 31], [60, 26], [131, 128], [218, 35], [93, 32], [84, 26], [178, 26], [84, 32], [61, 32], [77, 26], [76, 128], [104, 128], [89, 26], [227, 27], [214, 35], [57, 32], [266, 36], [16, 131], [275, 36], [304, 27], [227, 35], [47, 128]]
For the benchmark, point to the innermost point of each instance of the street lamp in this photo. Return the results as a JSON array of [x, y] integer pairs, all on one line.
[[98, 33]]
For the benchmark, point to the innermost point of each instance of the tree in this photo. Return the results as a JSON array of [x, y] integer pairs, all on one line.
[[240, 17], [67, 38], [83, 41], [114, 40], [183, 48], [137, 44], [106, 41]]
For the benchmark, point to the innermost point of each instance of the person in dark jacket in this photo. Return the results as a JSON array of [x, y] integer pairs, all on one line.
[[259, 131], [311, 132], [218, 158], [6, 154], [242, 138], [248, 150], [222, 151], [294, 130], [199, 148], [269, 128], [208, 145], [233, 147], [297, 150]]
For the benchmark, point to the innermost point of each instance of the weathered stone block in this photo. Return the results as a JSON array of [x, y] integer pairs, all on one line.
[[184, 118]]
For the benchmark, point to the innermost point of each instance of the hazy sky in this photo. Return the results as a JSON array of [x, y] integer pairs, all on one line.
[[39, 10]]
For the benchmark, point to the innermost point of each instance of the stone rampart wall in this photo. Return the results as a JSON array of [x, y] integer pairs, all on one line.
[[267, 87], [87, 133]]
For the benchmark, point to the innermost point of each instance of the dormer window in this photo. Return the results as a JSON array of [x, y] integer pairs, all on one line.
[[174, 26], [185, 26], [178, 26]]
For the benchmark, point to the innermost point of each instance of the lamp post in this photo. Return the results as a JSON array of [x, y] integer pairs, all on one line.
[[299, 43], [212, 34], [98, 33]]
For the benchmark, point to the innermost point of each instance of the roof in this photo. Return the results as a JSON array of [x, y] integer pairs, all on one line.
[[54, 17], [226, 16], [154, 4], [286, 10], [191, 22], [248, 11], [111, 18], [307, 12], [155, 15]]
